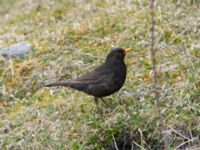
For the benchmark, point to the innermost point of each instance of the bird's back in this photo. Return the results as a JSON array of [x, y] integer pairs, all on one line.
[[103, 81]]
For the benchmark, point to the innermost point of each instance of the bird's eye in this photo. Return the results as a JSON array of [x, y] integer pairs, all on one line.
[[118, 54]]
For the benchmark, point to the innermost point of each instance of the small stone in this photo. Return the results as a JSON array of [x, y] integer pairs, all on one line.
[[16, 50]]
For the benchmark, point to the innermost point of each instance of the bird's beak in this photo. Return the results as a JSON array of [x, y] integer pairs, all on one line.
[[126, 50]]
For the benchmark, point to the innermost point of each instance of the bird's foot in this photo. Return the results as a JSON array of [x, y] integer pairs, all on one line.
[[104, 102], [97, 106]]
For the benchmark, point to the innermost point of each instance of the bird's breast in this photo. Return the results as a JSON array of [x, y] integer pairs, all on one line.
[[118, 78]]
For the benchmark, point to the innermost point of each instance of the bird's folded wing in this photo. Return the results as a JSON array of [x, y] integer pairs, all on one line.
[[95, 77]]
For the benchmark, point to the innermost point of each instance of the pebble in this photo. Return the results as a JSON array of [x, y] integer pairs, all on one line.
[[16, 50]]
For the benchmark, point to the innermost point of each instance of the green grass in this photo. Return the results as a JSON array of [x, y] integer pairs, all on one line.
[[6, 2], [72, 37]]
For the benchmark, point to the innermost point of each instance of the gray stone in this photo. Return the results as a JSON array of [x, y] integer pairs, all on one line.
[[16, 50]]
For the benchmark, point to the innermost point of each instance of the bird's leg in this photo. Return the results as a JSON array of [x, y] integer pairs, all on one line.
[[104, 102], [97, 104], [108, 107]]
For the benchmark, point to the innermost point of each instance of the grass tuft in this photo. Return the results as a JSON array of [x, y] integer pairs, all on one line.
[[72, 37]]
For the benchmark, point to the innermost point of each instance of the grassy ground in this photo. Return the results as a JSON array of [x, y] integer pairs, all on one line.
[[71, 37]]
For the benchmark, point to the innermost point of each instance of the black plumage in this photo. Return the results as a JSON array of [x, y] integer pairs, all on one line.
[[104, 80]]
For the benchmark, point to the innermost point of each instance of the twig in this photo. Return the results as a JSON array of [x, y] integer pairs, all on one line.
[[138, 145], [115, 143], [190, 140], [153, 57], [11, 68], [179, 133], [155, 74]]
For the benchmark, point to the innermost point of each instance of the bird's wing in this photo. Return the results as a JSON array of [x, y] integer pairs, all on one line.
[[99, 75]]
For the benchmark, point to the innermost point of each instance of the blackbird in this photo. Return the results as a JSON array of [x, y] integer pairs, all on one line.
[[104, 80]]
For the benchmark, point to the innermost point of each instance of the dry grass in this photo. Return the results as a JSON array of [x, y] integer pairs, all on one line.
[[69, 38]]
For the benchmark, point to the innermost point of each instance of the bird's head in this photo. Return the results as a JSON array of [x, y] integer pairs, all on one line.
[[117, 55]]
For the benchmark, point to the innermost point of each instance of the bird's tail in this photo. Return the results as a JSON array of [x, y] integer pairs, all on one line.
[[58, 84]]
